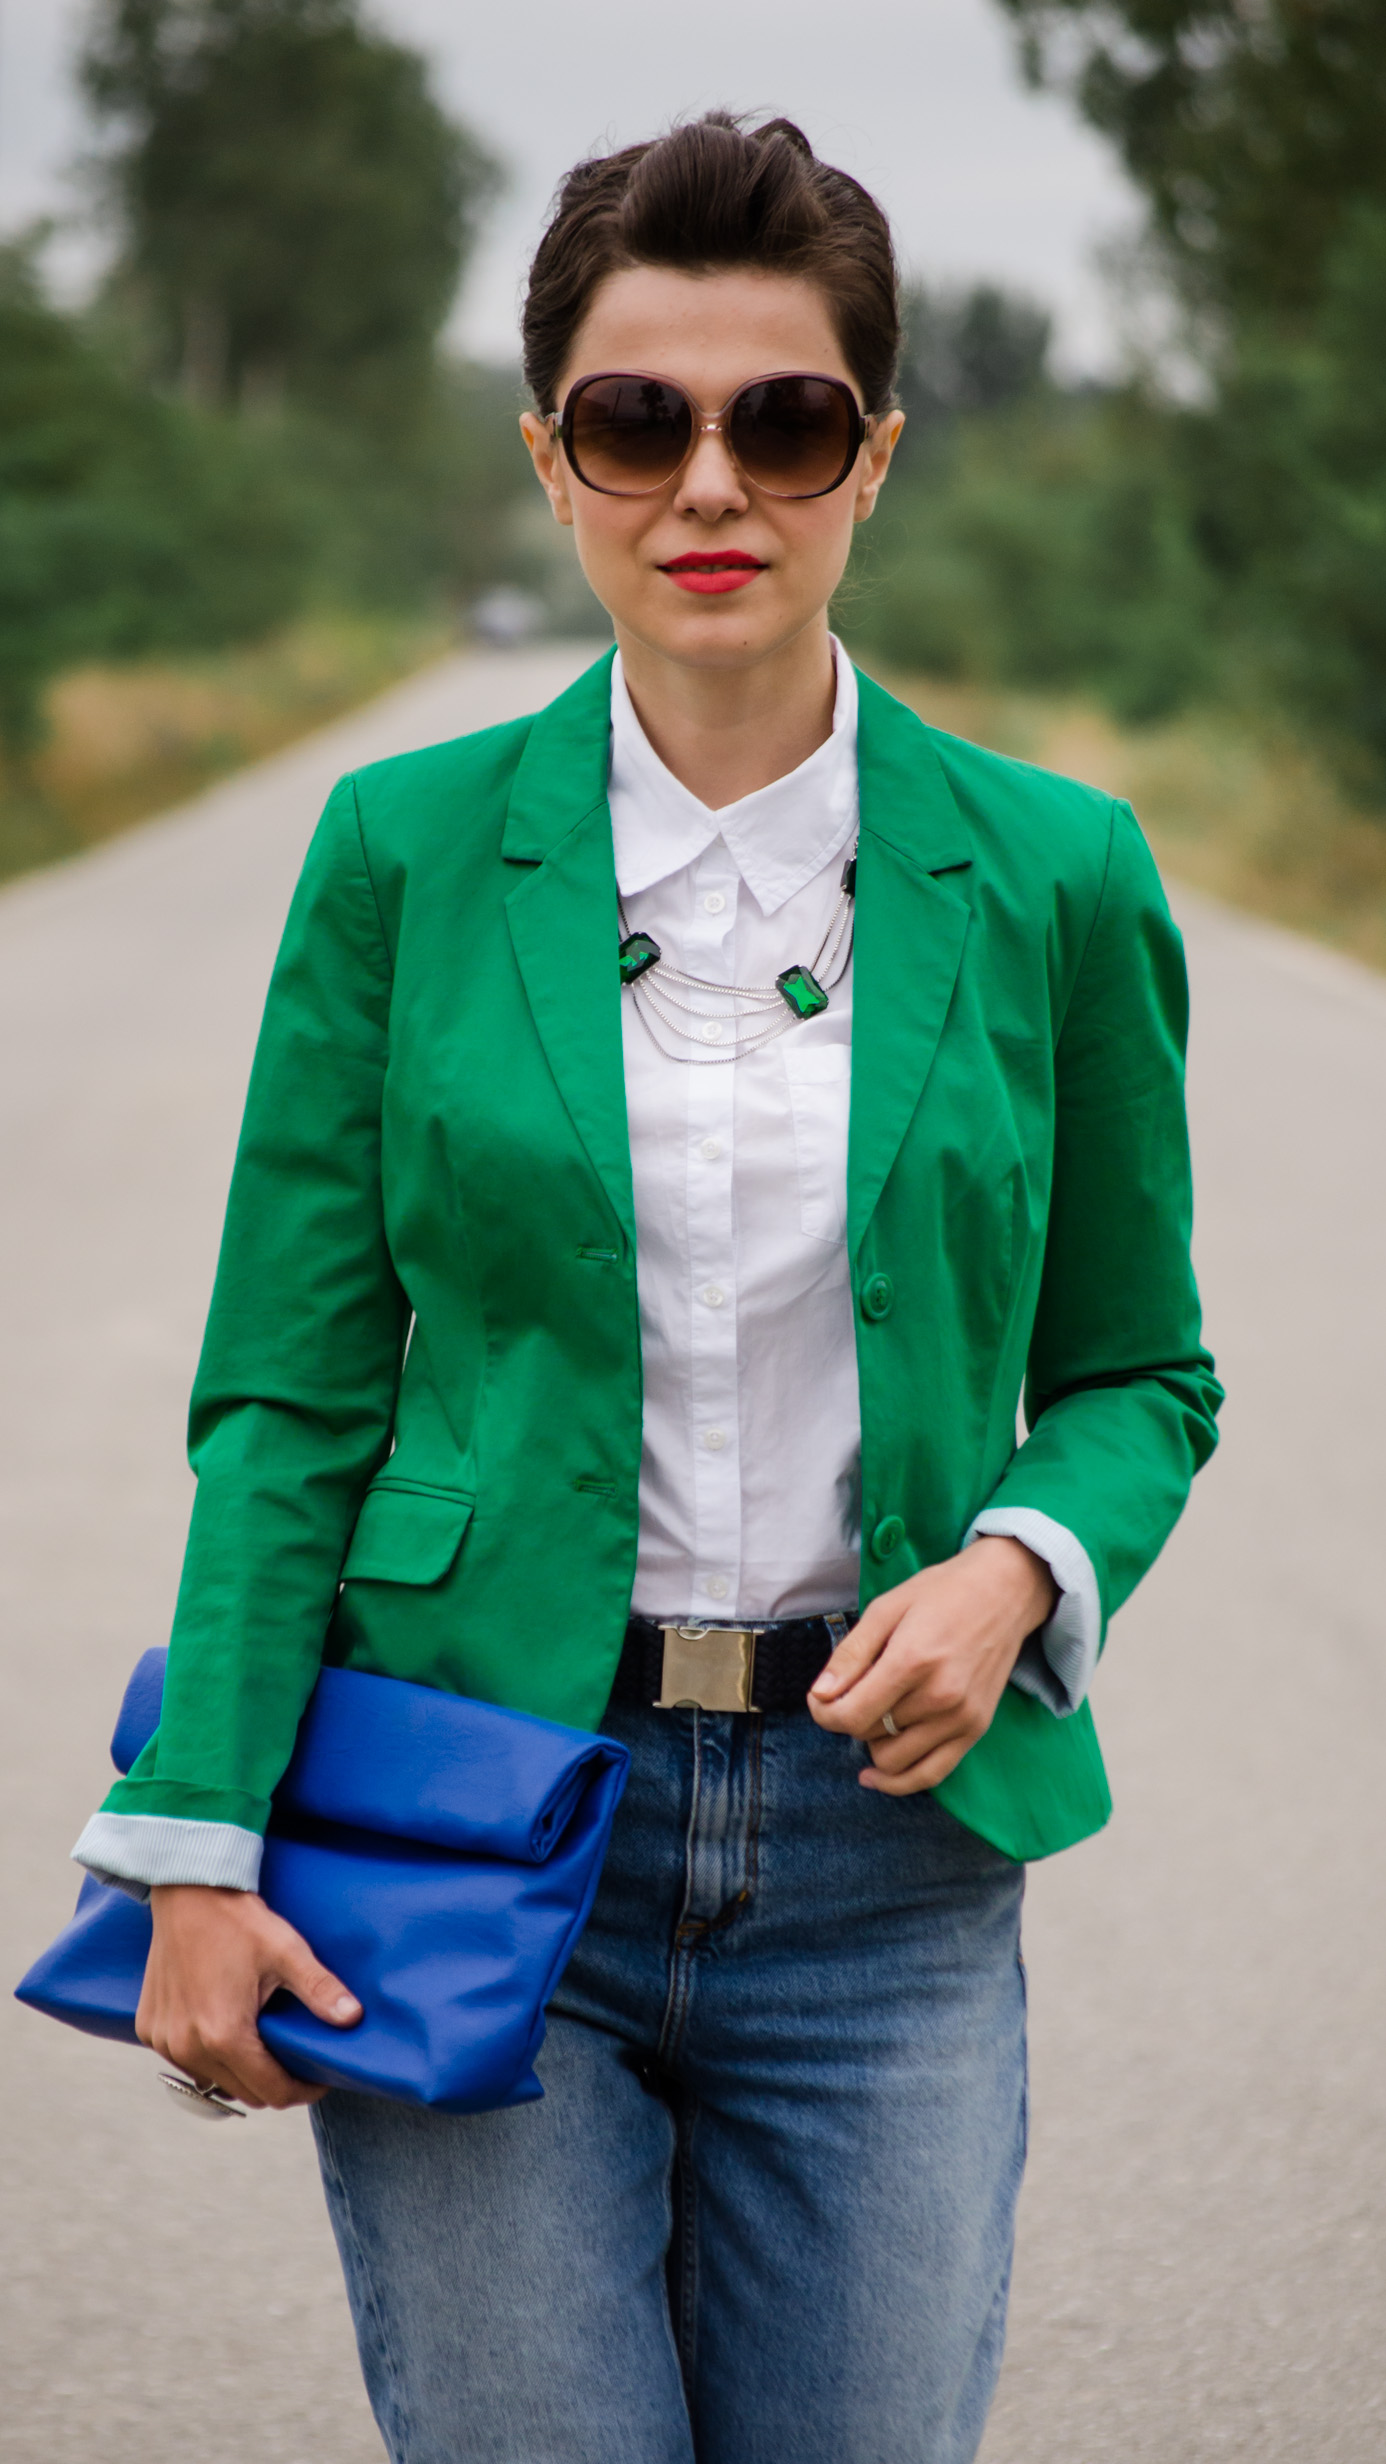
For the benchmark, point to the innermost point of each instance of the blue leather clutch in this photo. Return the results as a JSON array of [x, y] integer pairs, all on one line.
[[441, 1857]]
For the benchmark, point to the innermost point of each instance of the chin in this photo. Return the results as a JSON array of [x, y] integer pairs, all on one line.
[[716, 633]]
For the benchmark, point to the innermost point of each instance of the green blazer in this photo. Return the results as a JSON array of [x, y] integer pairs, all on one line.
[[416, 1423]]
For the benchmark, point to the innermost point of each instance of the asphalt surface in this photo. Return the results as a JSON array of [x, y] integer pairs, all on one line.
[[1201, 2269]]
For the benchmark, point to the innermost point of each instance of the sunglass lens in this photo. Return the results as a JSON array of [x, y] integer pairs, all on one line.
[[627, 434], [794, 435]]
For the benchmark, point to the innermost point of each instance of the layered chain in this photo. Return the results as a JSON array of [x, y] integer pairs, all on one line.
[[766, 1010]]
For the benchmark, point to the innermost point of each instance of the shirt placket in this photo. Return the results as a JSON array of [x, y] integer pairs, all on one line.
[[710, 1162]]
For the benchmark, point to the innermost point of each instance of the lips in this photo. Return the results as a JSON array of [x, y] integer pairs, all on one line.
[[717, 570]]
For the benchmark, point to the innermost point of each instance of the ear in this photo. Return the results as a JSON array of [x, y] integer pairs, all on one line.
[[875, 462], [549, 466]]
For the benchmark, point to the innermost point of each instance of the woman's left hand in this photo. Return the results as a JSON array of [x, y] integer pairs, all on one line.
[[935, 1653]]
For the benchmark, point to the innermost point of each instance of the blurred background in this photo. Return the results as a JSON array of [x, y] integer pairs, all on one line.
[[259, 270], [258, 383]]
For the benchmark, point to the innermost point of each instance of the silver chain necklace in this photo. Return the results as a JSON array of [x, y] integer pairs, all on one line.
[[768, 1010]]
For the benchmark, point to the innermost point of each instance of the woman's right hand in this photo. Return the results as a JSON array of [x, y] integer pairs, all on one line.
[[216, 1958]]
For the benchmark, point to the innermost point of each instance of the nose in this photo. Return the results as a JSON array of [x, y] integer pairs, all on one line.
[[710, 483]]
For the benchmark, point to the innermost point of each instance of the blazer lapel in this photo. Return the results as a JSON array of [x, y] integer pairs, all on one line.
[[910, 930], [563, 922]]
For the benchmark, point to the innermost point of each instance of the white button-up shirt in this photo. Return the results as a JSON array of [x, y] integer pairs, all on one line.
[[750, 1482], [749, 1488]]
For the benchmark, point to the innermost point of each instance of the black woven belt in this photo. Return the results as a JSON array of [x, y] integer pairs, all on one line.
[[788, 1655]]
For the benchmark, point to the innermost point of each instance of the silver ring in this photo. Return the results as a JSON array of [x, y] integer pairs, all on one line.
[[212, 2103], [888, 1725]]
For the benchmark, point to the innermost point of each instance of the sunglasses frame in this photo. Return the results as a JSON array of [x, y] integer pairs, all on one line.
[[712, 423]]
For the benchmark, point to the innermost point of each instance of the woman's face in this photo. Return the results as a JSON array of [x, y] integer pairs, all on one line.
[[710, 333]]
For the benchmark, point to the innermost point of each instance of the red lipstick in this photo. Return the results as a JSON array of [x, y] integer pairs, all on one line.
[[714, 570]]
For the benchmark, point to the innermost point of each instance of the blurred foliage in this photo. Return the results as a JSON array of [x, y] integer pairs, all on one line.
[[296, 209], [126, 523], [1156, 550], [130, 738], [964, 352], [1033, 535], [1253, 127], [254, 420], [256, 424]]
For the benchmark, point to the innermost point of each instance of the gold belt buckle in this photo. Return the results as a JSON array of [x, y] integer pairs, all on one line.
[[707, 1668]]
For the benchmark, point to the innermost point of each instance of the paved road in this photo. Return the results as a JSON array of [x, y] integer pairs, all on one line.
[[1201, 2266]]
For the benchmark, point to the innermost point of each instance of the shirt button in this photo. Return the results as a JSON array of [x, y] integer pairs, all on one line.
[[713, 1295], [886, 1537], [714, 1440], [716, 1587], [710, 1149], [712, 1033], [713, 903], [877, 1297]]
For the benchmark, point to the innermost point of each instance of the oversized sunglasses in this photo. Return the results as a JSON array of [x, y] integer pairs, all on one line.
[[627, 435]]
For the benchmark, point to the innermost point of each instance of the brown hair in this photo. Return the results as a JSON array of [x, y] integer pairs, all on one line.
[[714, 193]]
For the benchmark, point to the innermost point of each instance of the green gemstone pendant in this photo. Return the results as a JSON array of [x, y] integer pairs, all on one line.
[[802, 991], [637, 953]]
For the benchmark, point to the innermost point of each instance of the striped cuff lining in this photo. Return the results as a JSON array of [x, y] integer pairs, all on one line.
[[136, 1851]]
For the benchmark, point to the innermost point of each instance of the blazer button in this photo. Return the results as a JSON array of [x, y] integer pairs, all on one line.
[[877, 1297], [886, 1537]]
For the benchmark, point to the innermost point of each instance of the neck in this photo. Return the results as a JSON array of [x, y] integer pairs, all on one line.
[[724, 732]]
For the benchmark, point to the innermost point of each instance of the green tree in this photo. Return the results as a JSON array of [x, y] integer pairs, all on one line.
[[966, 352], [296, 208], [126, 523], [1255, 128]]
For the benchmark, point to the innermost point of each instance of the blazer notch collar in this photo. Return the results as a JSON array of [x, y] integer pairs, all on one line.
[[561, 777], [906, 799]]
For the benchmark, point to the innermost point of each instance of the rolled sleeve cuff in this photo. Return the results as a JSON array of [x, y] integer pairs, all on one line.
[[1056, 1662], [138, 1851]]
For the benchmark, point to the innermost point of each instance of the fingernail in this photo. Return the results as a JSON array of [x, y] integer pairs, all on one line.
[[823, 1686], [866, 1779], [345, 2007]]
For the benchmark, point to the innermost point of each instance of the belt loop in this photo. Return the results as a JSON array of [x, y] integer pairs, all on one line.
[[839, 1626]]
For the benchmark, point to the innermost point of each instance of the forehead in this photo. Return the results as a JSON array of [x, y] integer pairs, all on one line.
[[709, 332]]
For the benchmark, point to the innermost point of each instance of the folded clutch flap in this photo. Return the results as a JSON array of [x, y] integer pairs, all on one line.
[[406, 1534], [442, 1856], [380, 1754]]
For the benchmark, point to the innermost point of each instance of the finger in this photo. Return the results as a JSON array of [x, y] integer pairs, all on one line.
[[854, 1654], [895, 1754], [323, 1993], [234, 2056], [207, 2068], [912, 1682], [911, 1741], [939, 1706], [262, 2080], [926, 1772]]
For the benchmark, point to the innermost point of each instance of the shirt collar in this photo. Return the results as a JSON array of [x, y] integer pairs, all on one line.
[[780, 838]]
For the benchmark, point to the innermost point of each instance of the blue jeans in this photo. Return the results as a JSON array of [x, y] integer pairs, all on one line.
[[764, 2212]]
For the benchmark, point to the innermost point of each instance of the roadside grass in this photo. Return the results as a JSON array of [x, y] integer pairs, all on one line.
[[1229, 806], [127, 741]]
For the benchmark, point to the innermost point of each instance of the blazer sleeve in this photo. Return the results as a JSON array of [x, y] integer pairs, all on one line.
[[1120, 1395], [294, 1399]]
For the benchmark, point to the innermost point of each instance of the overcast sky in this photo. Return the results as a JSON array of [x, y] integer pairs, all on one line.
[[919, 98]]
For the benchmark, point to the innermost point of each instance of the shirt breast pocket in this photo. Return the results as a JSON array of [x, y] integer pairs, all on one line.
[[820, 1094]]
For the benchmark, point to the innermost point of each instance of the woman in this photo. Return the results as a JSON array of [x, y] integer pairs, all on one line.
[[552, 1098]]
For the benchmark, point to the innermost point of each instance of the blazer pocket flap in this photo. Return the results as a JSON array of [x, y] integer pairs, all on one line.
[[406, 1535]]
